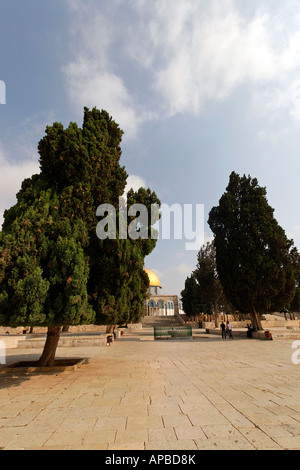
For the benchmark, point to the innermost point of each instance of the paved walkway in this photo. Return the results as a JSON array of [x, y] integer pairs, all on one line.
[[172, 395]]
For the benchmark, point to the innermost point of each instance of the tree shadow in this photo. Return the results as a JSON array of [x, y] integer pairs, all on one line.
[[14, 378]]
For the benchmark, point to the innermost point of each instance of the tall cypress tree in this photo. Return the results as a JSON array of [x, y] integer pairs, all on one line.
[[54, 270], [210, 288], [255, 260], [191, 301]]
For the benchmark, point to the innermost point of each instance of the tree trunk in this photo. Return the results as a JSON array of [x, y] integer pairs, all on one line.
[[47, 358], [216, 314], [110, 329], [255, 317]]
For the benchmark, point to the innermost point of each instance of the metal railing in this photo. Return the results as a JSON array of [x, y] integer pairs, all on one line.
[[161, 332]]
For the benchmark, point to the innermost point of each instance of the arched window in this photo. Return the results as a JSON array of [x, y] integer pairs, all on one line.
[[151, 304], [160, 304]]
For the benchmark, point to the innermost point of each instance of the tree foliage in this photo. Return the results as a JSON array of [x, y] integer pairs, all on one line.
[[203, 292], [190, 297], [206, 274], [54, 270], [254, 257], [295, 304]]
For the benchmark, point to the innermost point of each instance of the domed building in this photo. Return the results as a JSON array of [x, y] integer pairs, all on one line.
[[153, 281], [158, 304]]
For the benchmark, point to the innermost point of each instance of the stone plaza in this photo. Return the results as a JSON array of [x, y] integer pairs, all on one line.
[[141, 394]]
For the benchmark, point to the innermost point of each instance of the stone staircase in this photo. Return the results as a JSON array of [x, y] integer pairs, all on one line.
[[151, 322]]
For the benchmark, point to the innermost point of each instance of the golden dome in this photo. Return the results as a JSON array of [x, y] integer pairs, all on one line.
[[153, 278]]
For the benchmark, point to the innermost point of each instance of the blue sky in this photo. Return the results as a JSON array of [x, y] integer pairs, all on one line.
[[200, 88]]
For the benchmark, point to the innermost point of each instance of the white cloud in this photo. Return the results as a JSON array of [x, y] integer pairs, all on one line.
[[205, 50], [184, 269], [91, 79], [11, 176], [190, 52], [135, 182], [294, 234], [89, 85], [173, 278]]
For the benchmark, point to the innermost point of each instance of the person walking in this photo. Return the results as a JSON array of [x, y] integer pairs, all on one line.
[[223, 328], [229, 330]]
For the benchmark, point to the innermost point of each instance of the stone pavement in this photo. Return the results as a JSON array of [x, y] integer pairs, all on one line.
[[157, 395]]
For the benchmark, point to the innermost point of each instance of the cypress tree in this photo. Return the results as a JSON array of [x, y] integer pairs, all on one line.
[[190, 297], [54, 270], [210, 288], [254, 257]]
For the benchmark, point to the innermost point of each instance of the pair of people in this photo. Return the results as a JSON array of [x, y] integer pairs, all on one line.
[[226, 330]]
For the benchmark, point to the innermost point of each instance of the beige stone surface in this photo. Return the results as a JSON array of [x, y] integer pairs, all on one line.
[[146, 395]]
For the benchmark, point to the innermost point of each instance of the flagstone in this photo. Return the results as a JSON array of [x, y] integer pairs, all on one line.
[[182, 444], [110, 424], [258, 438], [146, 422], [131, 435], [99, 437], [176, 421], [62, 438], [189, 432], [288, 443]]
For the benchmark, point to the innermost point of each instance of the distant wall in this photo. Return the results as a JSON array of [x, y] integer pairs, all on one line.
[[40, 330]]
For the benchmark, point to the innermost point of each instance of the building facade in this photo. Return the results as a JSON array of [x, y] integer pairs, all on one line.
[[158, 304]]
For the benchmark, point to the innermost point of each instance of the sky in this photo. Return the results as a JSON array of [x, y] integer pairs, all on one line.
[[200, 88]]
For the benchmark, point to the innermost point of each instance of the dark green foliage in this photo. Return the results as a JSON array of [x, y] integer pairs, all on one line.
[[254, 257], [210, 288], [119, 287], [203, 291], [54, 270], [295, 304], [190, 297], [43, 270]]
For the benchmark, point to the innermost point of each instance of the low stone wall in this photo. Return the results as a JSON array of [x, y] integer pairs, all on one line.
[[234, 324], [12, 342], [266, 324], [67, 342], [134, 327], [237, 333], [280, 323], [32, 342], [43, 330]]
